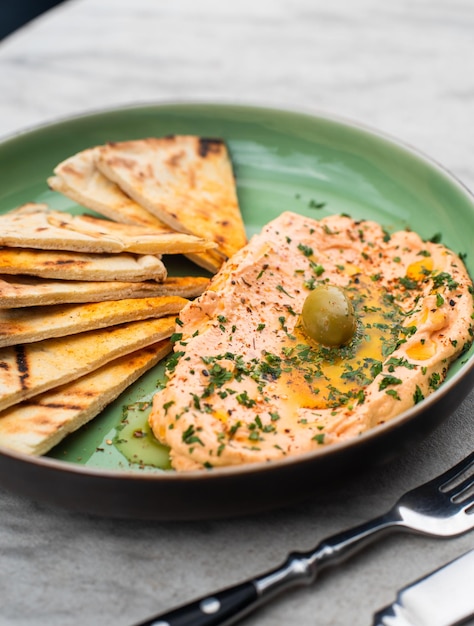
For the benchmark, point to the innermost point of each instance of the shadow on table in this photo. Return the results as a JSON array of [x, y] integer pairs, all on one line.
[[15, 13]]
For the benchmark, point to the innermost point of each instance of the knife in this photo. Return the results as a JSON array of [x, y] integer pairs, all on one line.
[[443, 598]]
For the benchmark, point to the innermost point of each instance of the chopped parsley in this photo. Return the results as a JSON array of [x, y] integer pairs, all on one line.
[[408, 283], [283, 290], [434, 381], [189, 436], [443, 279], [418, 395], [306, 250], [243, 398], [389, 380], [313, 204]]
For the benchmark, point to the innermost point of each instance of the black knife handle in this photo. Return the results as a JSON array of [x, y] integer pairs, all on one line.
[[220, 608]]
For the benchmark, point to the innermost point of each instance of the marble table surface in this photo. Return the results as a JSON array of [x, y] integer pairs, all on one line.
[[402, 67]]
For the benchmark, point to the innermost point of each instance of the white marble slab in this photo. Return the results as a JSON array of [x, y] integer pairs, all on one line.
[[403, 67]]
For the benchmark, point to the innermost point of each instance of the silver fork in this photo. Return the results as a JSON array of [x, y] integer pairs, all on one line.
[[442, 507]]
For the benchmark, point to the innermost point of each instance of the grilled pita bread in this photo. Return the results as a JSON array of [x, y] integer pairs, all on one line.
[[26, 325], [81, 265], [37, 425], [210, 261], [185, 181], [79, 179], [20, 291], [31, 369], [36, 226]]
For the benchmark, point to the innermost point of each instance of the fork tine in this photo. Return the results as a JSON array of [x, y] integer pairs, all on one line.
[[446, 480], [463, 490]]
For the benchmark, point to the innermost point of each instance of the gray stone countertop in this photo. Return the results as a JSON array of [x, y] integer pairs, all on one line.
[[401, 67]]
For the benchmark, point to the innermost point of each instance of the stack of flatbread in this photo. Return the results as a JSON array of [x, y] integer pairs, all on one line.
[[181, 182], [86, 303]]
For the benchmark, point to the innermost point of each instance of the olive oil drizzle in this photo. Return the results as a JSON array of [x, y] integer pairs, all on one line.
[[330, 377], [308, 374], [135, 440]]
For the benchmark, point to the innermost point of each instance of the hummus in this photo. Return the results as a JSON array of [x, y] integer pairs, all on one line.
[[246, 384]]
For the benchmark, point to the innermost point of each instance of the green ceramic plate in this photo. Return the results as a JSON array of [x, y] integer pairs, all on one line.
[[283, 161]]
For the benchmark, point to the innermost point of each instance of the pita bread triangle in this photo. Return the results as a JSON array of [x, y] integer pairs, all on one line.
[[30, 369], [185, 181], [21, 291], [37, 425], [79, 179], [211, 261], [30, 324], [68, 265], [36, 226]]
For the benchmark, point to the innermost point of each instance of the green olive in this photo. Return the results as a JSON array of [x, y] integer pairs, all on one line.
[[328, 316]]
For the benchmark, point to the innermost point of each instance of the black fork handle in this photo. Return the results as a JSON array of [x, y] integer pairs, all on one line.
[[223, 607], [232, 604]]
